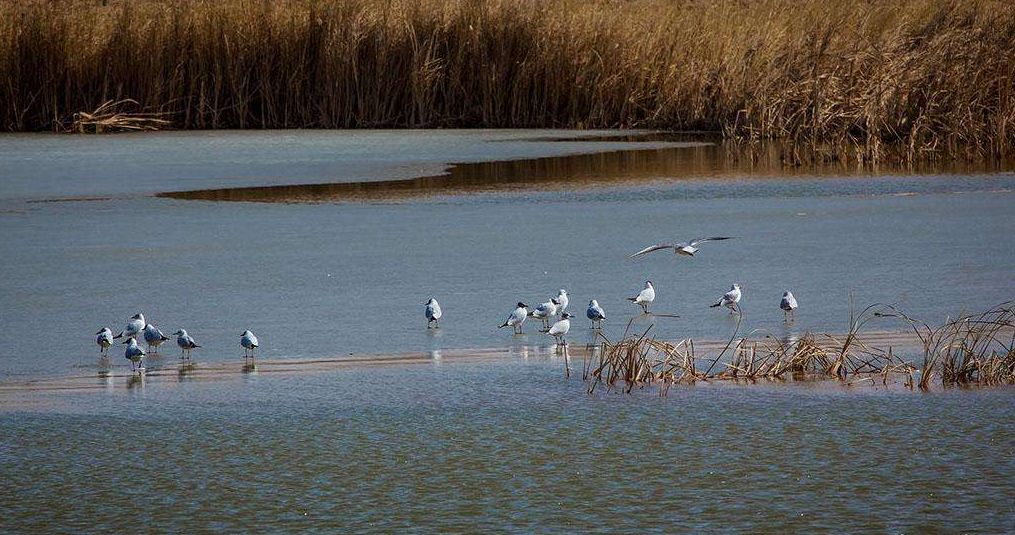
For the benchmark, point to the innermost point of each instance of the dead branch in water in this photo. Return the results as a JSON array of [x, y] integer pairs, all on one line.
[[114, 116]]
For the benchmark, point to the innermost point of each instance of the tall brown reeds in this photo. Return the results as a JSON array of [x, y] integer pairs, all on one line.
[[929, 75]]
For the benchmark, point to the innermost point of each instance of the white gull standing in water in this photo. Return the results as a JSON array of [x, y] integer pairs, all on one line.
[[562, 301], [644, 297], [249, 343], [788, 304], [560, 329], [545, 311], [433, 313], [186, 343], [596, 314], [134, 327], [516, 318], [134, 354], [105, 339], [730, 299], [153, 337]]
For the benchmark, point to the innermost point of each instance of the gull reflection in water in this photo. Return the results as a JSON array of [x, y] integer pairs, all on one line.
[[249, 371], [136, 381], [186, 371], [520, 351]]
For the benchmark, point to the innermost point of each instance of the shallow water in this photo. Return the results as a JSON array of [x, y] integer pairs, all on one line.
[[506, 445], [503, 443], [330, 279]]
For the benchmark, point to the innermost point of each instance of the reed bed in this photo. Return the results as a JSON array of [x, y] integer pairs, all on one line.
[[974, 349], [934, 77]]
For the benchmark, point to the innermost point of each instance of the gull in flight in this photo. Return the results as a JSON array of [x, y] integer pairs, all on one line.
[[596, 314], [134, 354], [516, 318], [249, 343], [105, 339], [433, 313], [153, 337], [686, 248], [644, 297], [186, 343], [545, 311], [788, 304], [560, 328], [134, 327], [562, 301], [730, 299]]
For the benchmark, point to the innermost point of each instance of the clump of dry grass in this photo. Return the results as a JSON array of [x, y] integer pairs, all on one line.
[[974, 349], [931, 76]]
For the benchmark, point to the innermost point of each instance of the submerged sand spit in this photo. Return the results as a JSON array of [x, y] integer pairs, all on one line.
[[168, 369]]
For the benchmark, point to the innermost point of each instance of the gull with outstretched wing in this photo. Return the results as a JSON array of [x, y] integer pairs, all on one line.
[[687, 248]]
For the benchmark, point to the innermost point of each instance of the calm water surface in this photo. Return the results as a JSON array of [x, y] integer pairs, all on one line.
[[506, 444]]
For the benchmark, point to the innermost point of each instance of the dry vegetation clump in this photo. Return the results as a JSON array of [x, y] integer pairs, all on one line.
[[116, 116], [931, 76], [977, 349]]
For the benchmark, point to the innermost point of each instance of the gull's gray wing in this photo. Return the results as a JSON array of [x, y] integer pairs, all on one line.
[[696, 241], [652, 248]]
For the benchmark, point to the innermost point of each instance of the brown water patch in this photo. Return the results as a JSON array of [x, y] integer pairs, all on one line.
[[644, 162]]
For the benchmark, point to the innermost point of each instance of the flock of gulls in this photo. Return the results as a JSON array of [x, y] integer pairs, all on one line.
[[556, 308], [556, 321], [137, 327]]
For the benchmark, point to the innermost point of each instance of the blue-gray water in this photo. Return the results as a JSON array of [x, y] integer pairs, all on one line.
[[462, 446], [506, 446], [331, 279]]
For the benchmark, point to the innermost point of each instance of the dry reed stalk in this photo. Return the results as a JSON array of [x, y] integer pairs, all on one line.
[[934, 77], [975, 349]]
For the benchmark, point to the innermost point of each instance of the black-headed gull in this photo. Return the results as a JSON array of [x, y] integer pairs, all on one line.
[[644, 297], [433, 313], [134, 327], [562, 301], [788, 304], [730, 299], [596, 314], [545, 311], [134, 354], [686, 248], [249, 343], [186, 343], [516, 318], [560, 329], [153, 337], [105, 339]]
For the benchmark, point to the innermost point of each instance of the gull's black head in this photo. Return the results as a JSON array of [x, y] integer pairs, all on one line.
[[136, 317], [522, 305], [101, 330], [566, 316]]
